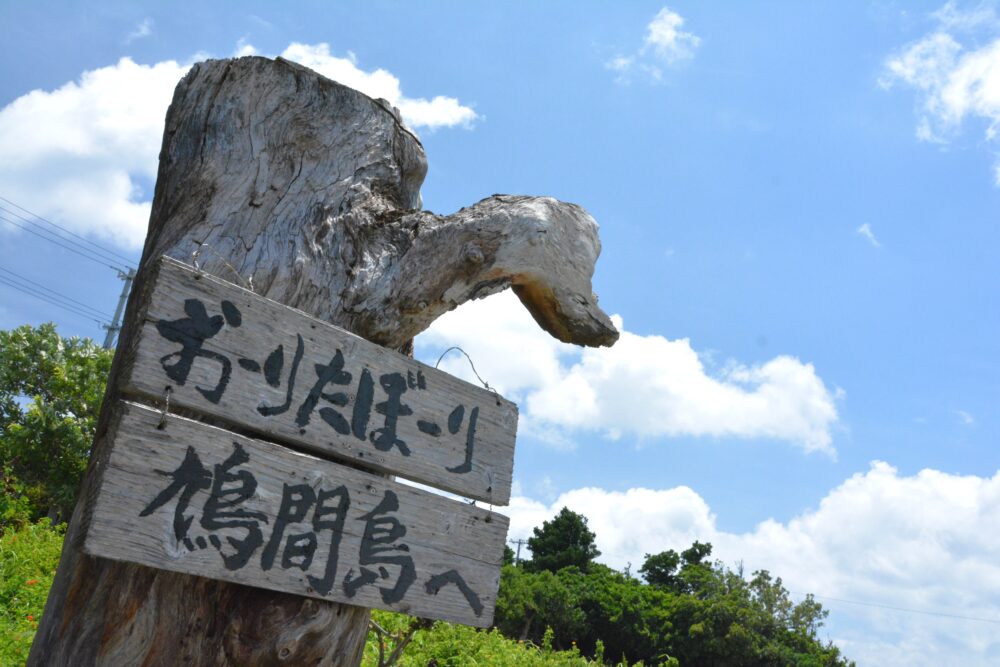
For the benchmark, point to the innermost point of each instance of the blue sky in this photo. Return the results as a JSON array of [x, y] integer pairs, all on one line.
[[798, 207]]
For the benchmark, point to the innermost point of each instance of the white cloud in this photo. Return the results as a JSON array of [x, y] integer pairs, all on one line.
[[956, 71], [142, 29], [667, 41], [85, 154], [951, 17], [628, 524], [966, 418], [664, 45], [865, 230], [620, 63], [78, 154], [643, 386], [439, 111], [244, 48], [926, 542]]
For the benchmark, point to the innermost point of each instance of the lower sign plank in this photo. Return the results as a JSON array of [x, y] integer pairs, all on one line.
[[201, 500]]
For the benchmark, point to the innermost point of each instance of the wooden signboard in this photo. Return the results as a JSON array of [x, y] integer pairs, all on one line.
[[181, 495], [197, 499], [229, 353]]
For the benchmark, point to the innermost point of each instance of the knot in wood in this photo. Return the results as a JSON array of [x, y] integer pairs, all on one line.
[[472, 254]]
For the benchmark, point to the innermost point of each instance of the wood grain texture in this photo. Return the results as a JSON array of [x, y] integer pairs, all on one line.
[[434, 398], [135, 511], [311, 190]]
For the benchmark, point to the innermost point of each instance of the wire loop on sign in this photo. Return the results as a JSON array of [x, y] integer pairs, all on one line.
[[472, 365], [166, 408], [248, 284], [489, 489]]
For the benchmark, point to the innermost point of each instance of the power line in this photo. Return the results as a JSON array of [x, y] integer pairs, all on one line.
[[98, 246], [906, 609], [54, 293], [88, 313], [43, 297], [79, 251], [58, 240]]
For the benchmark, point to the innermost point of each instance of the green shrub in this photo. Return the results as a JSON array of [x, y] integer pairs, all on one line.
[[28, 560], [449, 645]]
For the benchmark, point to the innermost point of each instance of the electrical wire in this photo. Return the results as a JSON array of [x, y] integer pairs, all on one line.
[[54, 293], [54, 302], [44, 297], [906, 609], [79, 251], [97, 246]]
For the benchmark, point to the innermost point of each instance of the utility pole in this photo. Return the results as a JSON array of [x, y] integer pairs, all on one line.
[[115, 325], [518, 542]]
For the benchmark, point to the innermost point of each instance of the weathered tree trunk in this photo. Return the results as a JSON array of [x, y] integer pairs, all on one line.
[[273, 176]]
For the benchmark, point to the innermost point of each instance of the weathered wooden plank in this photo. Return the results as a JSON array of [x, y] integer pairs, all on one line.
[[201, 500], [227, 352]]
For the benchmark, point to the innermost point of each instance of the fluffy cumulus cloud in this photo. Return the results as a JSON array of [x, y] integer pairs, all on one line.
[[85, 154], [81, 154], [665, 44], [667, 41], [439, 111], [923, 543], [642, 387], [955, 70]]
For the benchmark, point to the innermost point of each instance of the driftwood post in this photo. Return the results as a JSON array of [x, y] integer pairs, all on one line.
[[275, 177]]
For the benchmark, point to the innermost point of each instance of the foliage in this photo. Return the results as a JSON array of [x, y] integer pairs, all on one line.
[[447, 645], [661, 569], [51, 390], [695, 573], [689, 611], [535, 602], [710, 615], [562, 542], [508, 555], [28, 560]]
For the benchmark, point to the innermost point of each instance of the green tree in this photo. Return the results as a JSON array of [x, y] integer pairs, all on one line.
[[685, 572], [691, 612], [562, 542], [661, 569], [627, 617], [531, 602], [698, 576], [51, 390], [508, 556]]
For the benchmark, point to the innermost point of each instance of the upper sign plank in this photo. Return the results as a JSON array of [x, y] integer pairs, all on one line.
[[229, 353], [198, 499]]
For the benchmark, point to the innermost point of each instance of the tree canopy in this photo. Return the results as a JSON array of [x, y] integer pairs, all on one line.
[[690, 611], [564, 541], [51, 390]]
